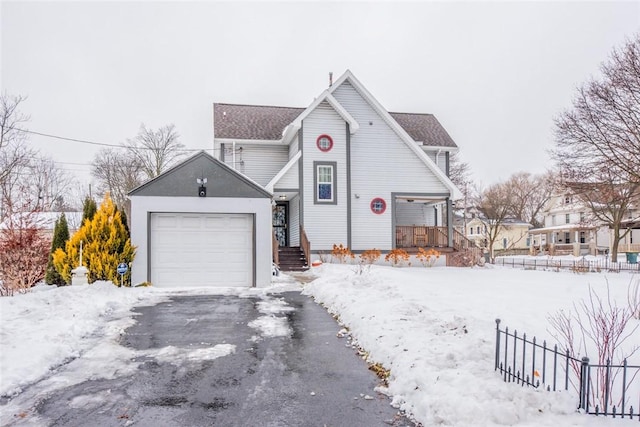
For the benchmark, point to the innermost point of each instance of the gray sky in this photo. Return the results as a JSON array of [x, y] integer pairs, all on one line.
[[494, 73]]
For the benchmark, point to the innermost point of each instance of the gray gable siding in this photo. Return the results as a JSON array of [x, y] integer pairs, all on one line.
[[222, 181]]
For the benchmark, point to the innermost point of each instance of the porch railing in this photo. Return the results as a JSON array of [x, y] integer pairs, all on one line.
[[417, 236], [305, 245], [274, 249]]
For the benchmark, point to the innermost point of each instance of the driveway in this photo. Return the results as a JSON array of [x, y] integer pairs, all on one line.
[[228, 361]]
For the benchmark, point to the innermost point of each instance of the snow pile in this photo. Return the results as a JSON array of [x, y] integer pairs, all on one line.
[[434, 328], [51, 326], [271, 325]]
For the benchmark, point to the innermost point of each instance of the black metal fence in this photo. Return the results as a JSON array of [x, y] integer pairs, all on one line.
[[578, 266], [601, 389]]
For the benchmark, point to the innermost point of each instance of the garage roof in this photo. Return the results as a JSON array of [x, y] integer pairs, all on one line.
[[181, 180]]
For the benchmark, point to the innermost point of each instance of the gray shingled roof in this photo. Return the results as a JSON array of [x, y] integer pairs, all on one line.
[[233, 121], [424, 128], [252, 121]]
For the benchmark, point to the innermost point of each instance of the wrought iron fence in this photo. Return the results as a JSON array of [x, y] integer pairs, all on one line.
[[599, 388], [579, 266]]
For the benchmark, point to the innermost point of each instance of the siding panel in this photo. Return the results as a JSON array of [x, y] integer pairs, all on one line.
[[259, 162], [381, 163], [294, 221], [325, 225]]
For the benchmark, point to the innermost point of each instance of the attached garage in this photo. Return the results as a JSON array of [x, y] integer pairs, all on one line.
[[201, 249], [219, 237]]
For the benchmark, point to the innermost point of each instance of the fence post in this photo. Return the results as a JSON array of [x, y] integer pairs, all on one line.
[[624, 383], [497, 343], [584, 366]]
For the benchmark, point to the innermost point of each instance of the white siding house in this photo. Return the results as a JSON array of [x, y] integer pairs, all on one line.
[[344, 170]]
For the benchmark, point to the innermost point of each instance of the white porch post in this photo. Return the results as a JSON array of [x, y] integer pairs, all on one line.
[[449, 222]]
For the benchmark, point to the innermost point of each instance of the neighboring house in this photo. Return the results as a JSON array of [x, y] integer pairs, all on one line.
[[512, 234], [569, 229], [43, 221], [631, 242], [344, 170]]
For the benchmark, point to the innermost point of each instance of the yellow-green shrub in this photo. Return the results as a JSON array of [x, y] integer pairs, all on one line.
[[105, 244]]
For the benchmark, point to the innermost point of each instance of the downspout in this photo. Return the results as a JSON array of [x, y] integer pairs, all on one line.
[[233, 156]]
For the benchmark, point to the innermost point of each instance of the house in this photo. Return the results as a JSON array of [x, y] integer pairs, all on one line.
[[511, 235], [344, 170], [569, 229], [341, 171]]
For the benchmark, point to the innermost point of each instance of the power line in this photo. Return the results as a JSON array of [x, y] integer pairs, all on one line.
[[82, 141], [103, 144]]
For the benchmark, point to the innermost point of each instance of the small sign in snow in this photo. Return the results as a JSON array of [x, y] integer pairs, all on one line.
[[122, 268]]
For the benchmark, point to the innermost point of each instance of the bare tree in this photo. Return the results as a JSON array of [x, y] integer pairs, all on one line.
[[156, 150], [24, 249], [460, 175], [494, 204], [14, 153], [529, 194], [117, 173], [602, 129]]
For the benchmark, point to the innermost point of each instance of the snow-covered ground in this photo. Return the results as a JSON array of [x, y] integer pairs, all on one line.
[[432, 327], [435, 330]]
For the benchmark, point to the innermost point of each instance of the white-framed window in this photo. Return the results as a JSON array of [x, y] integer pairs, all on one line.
[[582, 216], [470, 230], [567, 218], [324, 177], [553, 220]]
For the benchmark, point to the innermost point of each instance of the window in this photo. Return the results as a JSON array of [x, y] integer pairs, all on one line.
[[325, 178], [553, 220], [378, 206], [567, 219], [582, 216], [324, 143], [470, 230], [567, 237], [478, 229], [582, 237], [567, 200]]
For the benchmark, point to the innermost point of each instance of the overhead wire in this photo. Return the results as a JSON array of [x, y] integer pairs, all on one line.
[[103, 144]]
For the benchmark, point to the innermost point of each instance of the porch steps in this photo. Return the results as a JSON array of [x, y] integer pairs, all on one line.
[[292, 259]]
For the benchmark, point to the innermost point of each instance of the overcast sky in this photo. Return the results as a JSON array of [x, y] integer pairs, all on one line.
[[494, 73]]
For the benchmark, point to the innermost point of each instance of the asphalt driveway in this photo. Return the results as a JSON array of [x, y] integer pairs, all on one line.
[[225, 361]]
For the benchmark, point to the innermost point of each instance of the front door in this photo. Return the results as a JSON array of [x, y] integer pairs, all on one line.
[[280, 220]]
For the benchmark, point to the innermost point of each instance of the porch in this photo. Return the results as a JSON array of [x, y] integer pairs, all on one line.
[[424, 236]]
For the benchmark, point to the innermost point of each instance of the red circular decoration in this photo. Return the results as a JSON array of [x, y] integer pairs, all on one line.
[[324, 143], [378, 206]]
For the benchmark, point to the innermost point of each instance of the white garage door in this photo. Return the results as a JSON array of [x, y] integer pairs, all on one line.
[[201, 249]]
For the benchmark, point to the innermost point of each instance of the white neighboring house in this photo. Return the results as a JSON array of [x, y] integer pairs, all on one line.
[[512, 234], [569, 229], [344, 170]]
